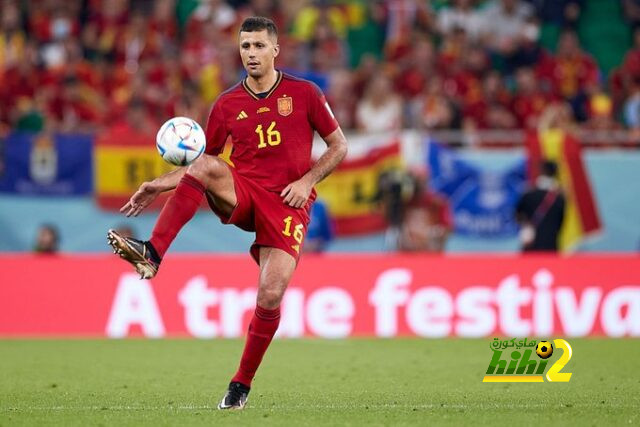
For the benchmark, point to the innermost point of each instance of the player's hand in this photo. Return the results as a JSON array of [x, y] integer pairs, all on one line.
[[142, 198], [297, 193]]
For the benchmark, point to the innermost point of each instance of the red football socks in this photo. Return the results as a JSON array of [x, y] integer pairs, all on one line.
[[177, 211], [262, 328]]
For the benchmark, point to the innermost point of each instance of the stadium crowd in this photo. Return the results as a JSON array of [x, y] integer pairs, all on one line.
[[74, 65]]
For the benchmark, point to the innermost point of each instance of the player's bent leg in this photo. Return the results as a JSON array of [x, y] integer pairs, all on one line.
[[276, 269], [216, 177], [208, 173]]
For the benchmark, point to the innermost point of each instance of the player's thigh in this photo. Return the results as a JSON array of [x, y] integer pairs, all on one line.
[[276, 270], [217, 178]]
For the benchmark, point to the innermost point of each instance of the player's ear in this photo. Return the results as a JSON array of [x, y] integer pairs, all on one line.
[[276, 50]]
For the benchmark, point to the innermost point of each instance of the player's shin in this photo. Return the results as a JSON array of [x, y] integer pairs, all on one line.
[[177, 211], [262, 328]]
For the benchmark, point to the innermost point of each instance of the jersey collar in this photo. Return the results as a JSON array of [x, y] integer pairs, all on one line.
[[255, 95]]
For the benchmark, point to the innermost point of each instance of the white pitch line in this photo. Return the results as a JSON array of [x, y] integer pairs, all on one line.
[[318, 406]]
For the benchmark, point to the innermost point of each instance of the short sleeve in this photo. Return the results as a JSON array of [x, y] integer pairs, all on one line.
[[216, 131], [320, 115]]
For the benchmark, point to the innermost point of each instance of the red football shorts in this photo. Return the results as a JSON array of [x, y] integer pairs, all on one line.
[[275, 223]]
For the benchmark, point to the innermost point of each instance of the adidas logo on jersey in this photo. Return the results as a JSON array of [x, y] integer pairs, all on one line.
[[242, 115]]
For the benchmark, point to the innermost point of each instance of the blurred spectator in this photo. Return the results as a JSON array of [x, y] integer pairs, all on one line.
[[561, 13], [632, 106], [74, 65], [47, 239], [281, 14], [461, 14], [321, 12], [540, 211], [105, 23], [73, 108], [418, 67], [453, 47], [557, 115], [138, 118], [28, 114], [623, 79], [341, 98], [190, 104], [571, 73], [136, 125], [327, 50], [12, 37], [217, 12], [136, 42], [403, 17], [53, 21], [381, 108], [506, 23], [464, 83], [529, 100], [497, 113], [427, 220], [600, 112], [528, 52], [163, 20], [320, 232], [433, 109], [18, 89], [362, 75]]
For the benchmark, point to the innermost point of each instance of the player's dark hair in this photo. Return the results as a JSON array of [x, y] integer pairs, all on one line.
[[259, 23]]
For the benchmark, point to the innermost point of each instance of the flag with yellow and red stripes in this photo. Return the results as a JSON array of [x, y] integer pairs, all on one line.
[[581, 215]]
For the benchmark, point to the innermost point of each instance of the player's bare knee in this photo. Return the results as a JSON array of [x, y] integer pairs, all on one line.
[[198, 168], [270, 298], [207, 168]]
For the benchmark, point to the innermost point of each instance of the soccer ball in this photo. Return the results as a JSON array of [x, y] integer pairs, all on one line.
[[544, 349], [180, 141]]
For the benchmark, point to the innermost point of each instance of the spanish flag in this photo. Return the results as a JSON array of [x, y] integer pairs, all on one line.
[[125, 158], [581, 216], [350, 191]]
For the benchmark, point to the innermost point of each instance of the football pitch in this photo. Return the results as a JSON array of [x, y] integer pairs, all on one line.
[[308, 382]]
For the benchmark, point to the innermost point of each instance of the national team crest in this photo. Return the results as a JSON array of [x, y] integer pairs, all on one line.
[[285, 106]]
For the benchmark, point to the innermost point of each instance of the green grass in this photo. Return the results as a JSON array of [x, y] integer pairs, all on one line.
[[307, 382]]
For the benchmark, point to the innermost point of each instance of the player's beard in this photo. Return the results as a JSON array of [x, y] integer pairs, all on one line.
[[257, 73]]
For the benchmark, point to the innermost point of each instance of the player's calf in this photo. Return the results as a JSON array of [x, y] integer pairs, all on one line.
[[136, 252]]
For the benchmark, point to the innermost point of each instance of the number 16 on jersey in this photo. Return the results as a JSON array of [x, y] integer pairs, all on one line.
[[298, 232], [273, 136]]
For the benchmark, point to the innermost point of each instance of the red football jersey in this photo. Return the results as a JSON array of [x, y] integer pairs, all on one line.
[[272, 136]]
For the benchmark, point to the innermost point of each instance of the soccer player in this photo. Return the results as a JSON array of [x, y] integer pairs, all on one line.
[[271, 118]]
